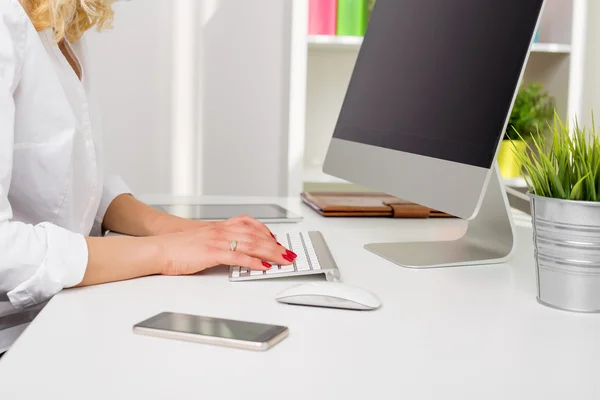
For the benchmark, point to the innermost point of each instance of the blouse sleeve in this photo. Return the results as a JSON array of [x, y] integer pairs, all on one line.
[[36, 262]]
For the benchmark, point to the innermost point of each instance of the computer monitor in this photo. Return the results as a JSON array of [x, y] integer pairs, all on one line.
[[425, 112]]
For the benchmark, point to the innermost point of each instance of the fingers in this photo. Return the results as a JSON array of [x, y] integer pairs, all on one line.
[[228, 257], [251, 222], [266, 250], [249, 230], [251, 241]]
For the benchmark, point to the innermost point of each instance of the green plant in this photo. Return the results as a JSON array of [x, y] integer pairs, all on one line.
[[564, 166], [532, 111]]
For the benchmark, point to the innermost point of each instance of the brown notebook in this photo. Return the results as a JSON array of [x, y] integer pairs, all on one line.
[[366, 205]]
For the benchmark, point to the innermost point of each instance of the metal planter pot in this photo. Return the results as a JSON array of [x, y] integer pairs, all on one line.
[[566, 236]]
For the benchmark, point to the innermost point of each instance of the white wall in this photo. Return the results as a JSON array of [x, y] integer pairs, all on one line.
[[591, 76], [230, 109], [245, 80], [131, 68]]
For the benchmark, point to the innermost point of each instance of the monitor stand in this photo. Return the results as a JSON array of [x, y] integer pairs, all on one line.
[[489, 238]]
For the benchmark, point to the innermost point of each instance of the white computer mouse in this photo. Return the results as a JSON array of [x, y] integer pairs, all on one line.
[[330, 294]]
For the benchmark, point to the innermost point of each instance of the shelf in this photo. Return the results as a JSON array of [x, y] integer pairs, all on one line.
[[551, 48], [353, 43], [515, 182], [322, 42]]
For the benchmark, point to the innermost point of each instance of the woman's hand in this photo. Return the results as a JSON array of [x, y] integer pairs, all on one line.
[[171, 224], [165, 223], [209, 245]]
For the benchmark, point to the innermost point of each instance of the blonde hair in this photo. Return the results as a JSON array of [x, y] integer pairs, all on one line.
[[69, 19]]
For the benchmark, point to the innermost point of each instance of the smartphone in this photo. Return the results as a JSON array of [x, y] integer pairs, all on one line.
[[209, 330]]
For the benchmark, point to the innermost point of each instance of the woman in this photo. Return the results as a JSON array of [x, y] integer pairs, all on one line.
[[53, 192]]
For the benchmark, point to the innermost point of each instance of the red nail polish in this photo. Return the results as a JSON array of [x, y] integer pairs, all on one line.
[[288, 258], [292, 254], [280, 244], [273, 236], [266, 264]]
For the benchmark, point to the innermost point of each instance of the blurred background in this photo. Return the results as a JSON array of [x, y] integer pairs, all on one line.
[[240, 97]]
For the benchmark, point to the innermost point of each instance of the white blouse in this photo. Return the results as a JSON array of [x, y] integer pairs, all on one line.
[[53, 191]]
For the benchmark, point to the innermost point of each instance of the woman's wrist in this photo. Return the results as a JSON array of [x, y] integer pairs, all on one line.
[[158, 223], [163, 224], [155, 246]]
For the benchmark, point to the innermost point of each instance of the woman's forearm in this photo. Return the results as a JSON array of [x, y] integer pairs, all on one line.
[[112, 259], [129, 216]]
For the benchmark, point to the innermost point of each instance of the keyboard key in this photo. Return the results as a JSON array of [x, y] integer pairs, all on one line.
[[274, 270], [255, 273], [244, 272], [314, 260], [302, 264], [302, 261], [287, 268], [295, 241], [235, 272], [302, 267]]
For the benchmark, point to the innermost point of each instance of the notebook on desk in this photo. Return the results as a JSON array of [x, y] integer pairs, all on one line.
[[366, 205]]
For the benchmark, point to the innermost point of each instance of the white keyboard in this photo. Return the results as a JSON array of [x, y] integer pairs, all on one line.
[[313, 258]]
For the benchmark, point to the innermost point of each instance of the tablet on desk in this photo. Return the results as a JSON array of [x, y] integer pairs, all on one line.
[[265, 213]]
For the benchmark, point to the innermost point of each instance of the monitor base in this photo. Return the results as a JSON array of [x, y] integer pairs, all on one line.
[[489, 238]]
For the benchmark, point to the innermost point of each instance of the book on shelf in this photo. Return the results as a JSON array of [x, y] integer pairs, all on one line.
[[322, 17], [352, 17], [339, 17]]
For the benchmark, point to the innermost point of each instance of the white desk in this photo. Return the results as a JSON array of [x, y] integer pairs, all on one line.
[[462, 333]]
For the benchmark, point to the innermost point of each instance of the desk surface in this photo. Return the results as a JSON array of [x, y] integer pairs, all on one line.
[[459, 333]]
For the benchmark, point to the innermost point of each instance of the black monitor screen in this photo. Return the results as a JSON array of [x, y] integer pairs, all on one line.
[[437, 77]]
